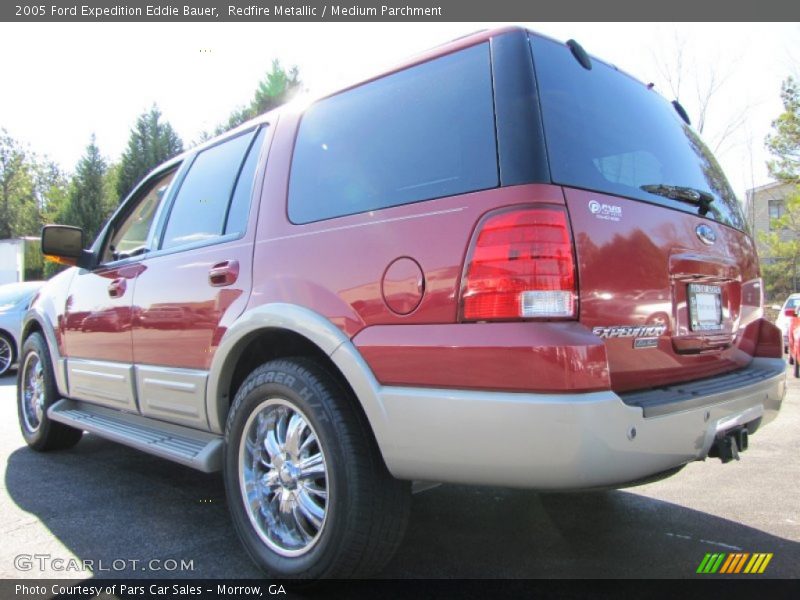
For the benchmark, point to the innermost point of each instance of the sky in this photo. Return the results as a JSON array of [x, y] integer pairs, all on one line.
[[63, 82]]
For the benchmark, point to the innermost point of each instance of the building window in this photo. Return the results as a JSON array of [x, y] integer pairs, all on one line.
[[776, 210]]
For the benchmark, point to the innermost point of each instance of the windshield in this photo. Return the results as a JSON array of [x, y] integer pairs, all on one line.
[[609, 133]]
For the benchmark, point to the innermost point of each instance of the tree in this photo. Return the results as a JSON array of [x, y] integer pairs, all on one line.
[[27, 184], [696, 84], [277, 87], [783, 241], [16, 185], [783, 248], [784, 141], [87, 206], [152, 141]]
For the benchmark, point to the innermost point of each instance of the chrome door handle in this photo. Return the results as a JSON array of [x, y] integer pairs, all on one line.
[[224, 273], [116, 289]]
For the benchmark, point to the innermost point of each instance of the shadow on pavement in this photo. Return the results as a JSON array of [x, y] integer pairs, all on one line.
[[106, 502]]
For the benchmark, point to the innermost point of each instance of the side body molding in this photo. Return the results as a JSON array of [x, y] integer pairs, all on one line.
[[315, 328]]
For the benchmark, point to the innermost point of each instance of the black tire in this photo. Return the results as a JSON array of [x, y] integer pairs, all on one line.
[[791, 359], [796, 369], [366, 511], [7, 353], [48, 435]]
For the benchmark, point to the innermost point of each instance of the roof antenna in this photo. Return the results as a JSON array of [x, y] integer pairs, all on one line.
[[681, 111], [580, 54]]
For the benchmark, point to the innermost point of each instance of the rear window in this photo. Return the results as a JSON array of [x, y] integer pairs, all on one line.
[[425, 132], [607, 132]]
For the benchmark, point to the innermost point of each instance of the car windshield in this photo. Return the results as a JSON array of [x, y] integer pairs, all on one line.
[[607, 132]]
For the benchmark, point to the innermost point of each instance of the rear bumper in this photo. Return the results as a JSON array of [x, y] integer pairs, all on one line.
[[563, 441]]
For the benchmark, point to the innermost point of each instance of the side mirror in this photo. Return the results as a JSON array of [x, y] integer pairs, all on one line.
[[64, 244], [790, 312]]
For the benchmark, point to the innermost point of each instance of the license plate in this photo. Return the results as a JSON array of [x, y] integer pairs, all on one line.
[[705, 307]]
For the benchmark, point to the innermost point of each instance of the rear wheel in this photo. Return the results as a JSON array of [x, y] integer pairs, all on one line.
[[36, 392], [307, 488], [797, 369], [6, 353]]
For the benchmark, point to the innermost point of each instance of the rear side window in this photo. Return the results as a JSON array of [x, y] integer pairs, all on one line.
[[425, 132], [198, 212]]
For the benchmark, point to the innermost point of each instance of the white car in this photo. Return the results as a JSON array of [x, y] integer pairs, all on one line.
[[15, 298], [793, 301]]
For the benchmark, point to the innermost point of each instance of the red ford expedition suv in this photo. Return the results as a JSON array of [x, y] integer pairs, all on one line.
[[504, 262]]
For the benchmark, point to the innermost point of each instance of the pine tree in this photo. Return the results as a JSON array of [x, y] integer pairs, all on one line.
[[152, 141], [86, 206], [277, 87]]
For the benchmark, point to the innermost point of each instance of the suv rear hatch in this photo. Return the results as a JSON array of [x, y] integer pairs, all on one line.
[[666, 273]]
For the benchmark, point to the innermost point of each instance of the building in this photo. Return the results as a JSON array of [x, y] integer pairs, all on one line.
[[20, 260], [12, 260], [763, 204]]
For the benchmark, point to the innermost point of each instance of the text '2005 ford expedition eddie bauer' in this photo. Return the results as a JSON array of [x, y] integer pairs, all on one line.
[[504, 262]]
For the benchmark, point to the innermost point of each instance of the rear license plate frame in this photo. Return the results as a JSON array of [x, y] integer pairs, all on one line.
[[705, 307]]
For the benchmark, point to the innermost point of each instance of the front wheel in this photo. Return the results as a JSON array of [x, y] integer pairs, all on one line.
[[307, 488], [36, 392]]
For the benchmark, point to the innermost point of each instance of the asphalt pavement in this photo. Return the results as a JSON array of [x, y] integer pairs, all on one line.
[[130, 514]]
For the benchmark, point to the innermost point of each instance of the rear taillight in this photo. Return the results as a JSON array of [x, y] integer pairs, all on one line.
[[520, 266]]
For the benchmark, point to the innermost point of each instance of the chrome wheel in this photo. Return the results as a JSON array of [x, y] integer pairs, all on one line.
[[6, 354], [283, 477], [32, 392]]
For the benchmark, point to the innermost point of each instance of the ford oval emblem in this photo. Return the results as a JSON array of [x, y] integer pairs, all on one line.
[[706, 234]]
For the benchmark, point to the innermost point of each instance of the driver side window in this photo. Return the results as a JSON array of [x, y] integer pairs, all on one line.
[[130, 236]]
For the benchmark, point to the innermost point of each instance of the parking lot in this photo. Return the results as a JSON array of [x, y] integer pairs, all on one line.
[[122, 509]]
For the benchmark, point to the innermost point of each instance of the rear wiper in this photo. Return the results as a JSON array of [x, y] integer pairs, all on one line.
[[683, 194]]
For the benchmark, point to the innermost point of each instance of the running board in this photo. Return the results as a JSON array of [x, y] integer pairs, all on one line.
[[190, 447]]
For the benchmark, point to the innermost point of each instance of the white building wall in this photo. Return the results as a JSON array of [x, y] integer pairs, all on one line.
[[12, 260]]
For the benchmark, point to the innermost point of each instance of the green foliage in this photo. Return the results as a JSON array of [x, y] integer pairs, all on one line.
[[277, 87], [34, 261], [54, 188], [784, 142], [780, 271], [110, 185], [152, 141], [30, 187], [86, 205], [17, 197]]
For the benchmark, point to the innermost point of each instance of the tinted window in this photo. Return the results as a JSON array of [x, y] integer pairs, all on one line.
[[131, 234], [422, 133], [198, 212], [607, 132], [242, 195]]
